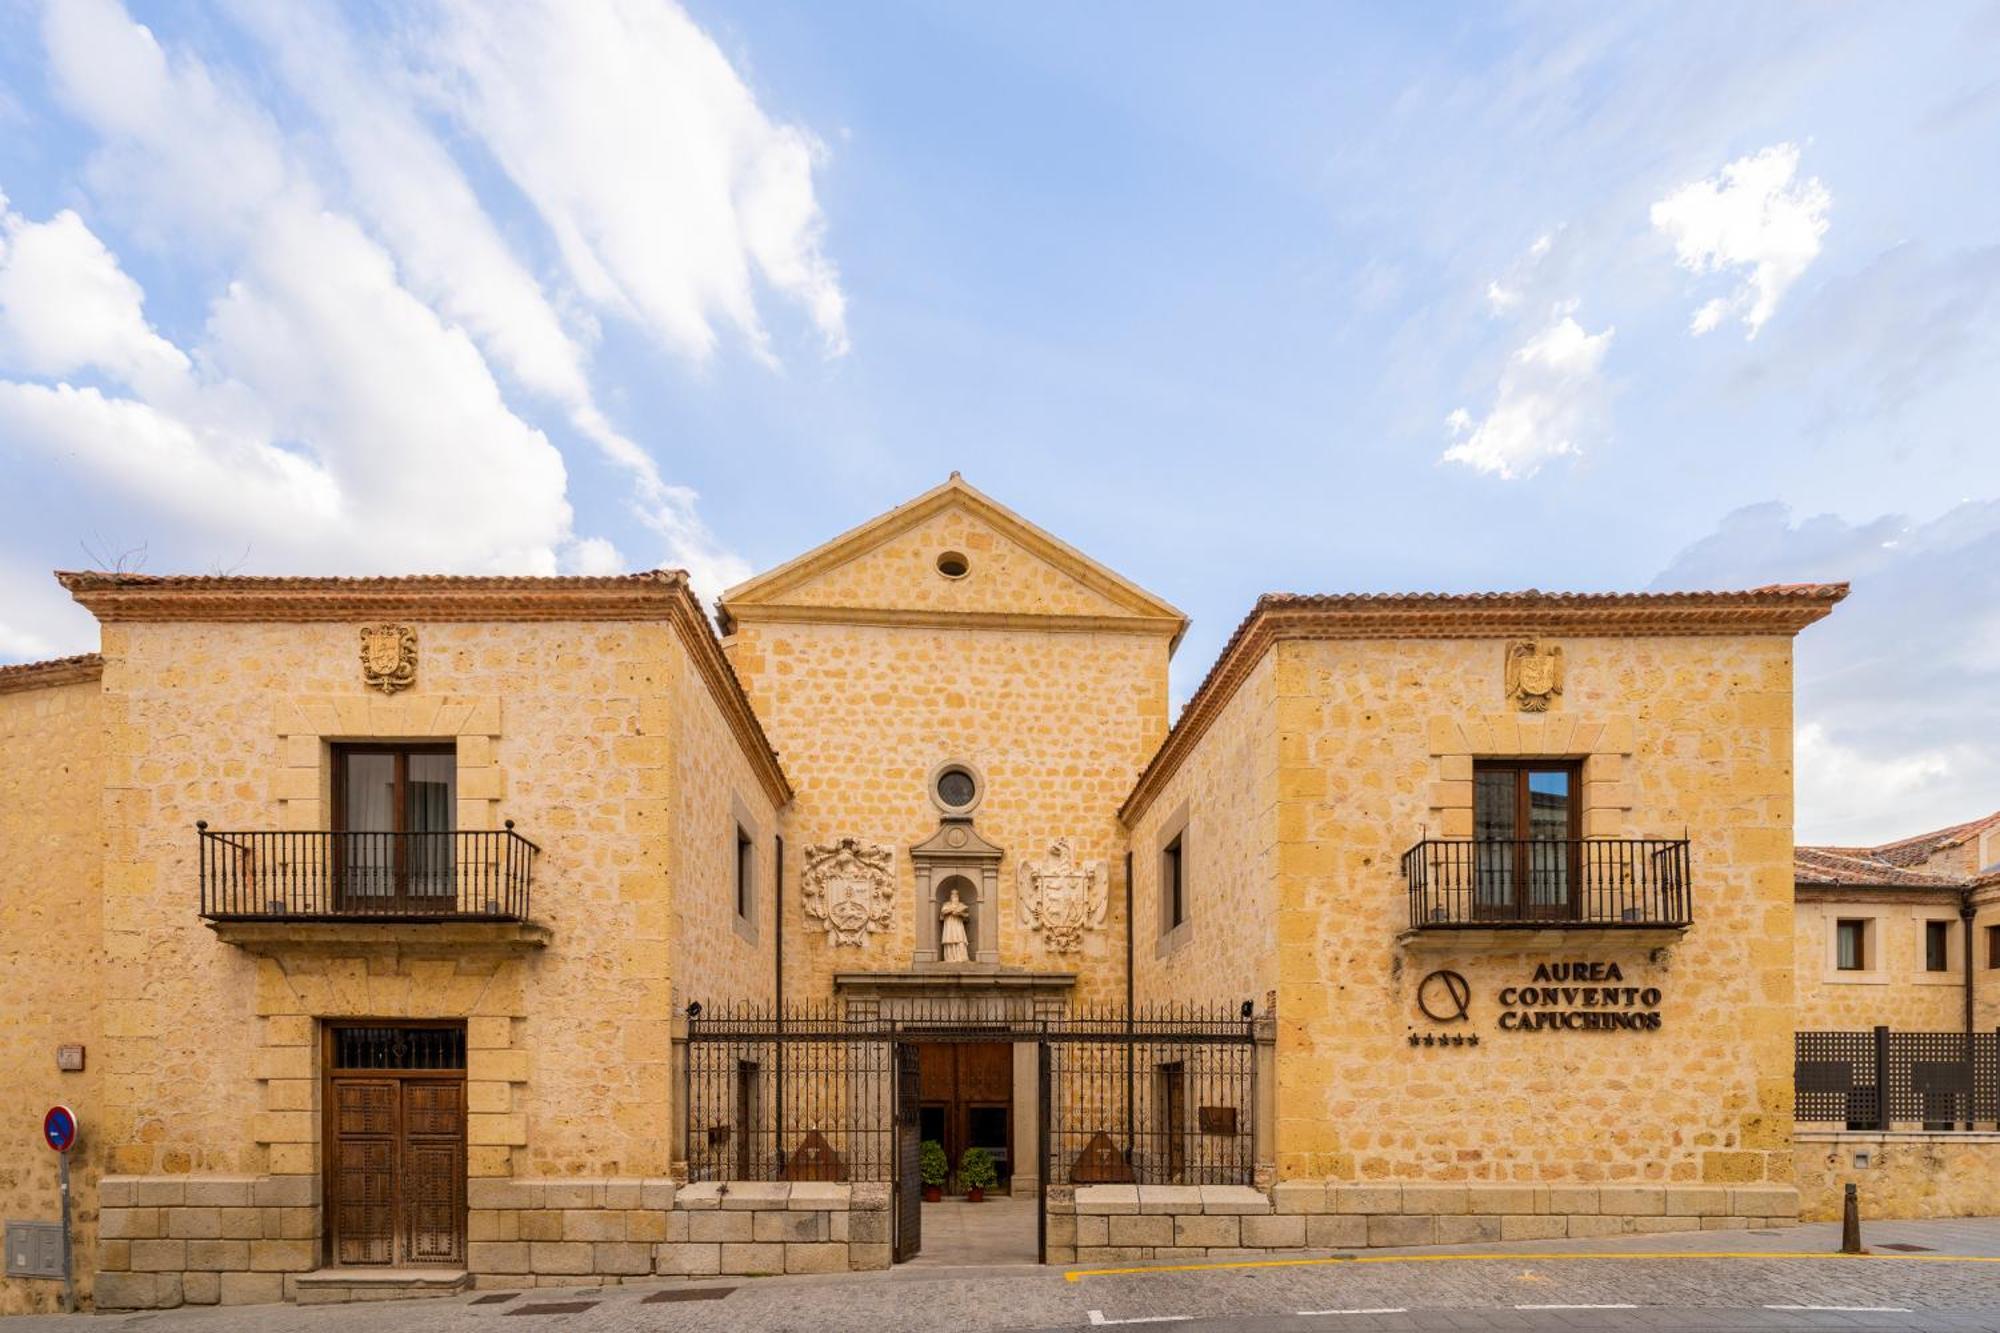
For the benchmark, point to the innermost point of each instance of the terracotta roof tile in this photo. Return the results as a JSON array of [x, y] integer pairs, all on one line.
[[1840, 867], [53, 671]]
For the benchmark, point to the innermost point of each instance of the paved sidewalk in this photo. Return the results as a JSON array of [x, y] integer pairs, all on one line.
[[1943, 1274]]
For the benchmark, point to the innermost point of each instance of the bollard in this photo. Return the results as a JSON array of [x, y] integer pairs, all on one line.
[[1850, 1222]]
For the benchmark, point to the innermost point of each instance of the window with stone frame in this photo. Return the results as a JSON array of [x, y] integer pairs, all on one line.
[[1173, 884], [1851, 945], [1937, 946], [746, 874]]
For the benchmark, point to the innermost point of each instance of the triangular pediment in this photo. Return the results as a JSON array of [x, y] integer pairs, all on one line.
[[904, 566]]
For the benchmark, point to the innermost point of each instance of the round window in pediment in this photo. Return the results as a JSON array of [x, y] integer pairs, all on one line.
[[953, 564]]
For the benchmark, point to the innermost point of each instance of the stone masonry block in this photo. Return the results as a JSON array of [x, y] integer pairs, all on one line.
[[1468, 1229], [285, 1191], [1697, 1201], [821, 1196], [1092, 1229], [1234, 1199], [721, 1227], [115, 1191], [824, 1257], [645, 1224], [1435, 1199], [1365, 1198], [1503, 1199], [1571, 1200], [1194, 1229], [251, 1288], [752, 1260], [560, 1256], [1274, 1233], [1764, 1201], [1663, 1224], [1102, 1200], [201, 1288], [220, 1191], [159, 1191], [193, 1223], [1061, 1231], [497, 1256], [1588, 1226], [656, 1194], [684, 1259], [126, 1291], [284, 1256], [594, 1224], [620, 1192], [1533, 1226], [872, 1228], [1293, 1196], [501, 1192], [1169, 1198], [1632, 1200], [129, 1224], [701, 1195], [799, 1228], [621, 1257], [1402, 1229], [1140, 1229], [218, 1255], [159, 1256], [748, 1195], [874, 1257], [566, 1194], [539, 1224], [1336, 1231]]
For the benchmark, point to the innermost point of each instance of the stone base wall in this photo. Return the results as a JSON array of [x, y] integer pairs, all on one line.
[[166, 1241], [1907, 1174], [1095, 1224], [203, 1240]]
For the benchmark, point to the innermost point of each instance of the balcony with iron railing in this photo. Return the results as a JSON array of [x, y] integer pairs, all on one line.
[[291, 878], [1548, 883]]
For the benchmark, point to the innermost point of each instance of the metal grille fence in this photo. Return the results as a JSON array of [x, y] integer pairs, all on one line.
[[1495, 882], [1936, 1080], [1162, 1096], [1165, 1097]]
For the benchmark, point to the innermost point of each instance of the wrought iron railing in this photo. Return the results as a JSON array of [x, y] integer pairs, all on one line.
[[465, 875], [1461, 882], [1928, 1080], [1163, 1095]]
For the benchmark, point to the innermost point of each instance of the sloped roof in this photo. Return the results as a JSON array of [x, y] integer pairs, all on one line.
[[770, 588], [1915, 850], [1833, 867], [54, 671]]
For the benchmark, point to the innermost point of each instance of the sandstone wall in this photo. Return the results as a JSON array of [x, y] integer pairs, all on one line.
[[1058, 724], [1376, 741], [1222, 802], [1907, 1175], [51, 962], [1895, 988]]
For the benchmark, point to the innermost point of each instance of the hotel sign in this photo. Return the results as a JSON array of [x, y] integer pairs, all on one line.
[[1579, 997]]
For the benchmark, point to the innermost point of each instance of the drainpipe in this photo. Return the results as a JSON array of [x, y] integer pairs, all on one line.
[[1965, 924], [1128, 943], [778, 992]]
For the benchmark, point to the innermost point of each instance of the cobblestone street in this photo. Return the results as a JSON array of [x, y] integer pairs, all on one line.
[[1918, 1275]]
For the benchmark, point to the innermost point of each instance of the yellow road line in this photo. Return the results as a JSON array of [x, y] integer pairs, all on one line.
[[1527, 1255]]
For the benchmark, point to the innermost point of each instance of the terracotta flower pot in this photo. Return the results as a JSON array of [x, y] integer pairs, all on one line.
[[975, 1195], [932, 1193]]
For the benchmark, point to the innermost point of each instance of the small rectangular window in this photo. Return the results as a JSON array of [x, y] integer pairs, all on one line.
[[1852, 946], [1937, 946], [1993, 947], [1173, 886], [746, 868]]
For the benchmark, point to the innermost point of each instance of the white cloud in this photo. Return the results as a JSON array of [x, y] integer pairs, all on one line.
[[342, 373], [670, 193], [1550, 399], [22, 645], [1898, 702], [1756, 217]]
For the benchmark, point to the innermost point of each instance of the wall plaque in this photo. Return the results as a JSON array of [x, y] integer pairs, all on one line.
[[69, 1058], [388, 657]]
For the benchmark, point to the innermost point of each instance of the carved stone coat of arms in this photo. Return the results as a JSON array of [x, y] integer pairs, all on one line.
[[1062, 897], [1534, 675], [388, 657], [850, 888]]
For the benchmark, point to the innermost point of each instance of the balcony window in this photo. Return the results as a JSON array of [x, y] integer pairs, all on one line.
[[394, 810], [1525, 820]]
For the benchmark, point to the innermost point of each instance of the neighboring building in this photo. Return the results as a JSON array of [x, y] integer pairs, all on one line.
[[447, 923], [1898, 1070]]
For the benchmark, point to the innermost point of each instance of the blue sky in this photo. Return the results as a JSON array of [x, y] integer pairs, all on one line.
[[1309, 298]]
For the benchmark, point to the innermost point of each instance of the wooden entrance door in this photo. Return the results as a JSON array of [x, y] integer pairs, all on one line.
[[968, 1100], [395, 1145]]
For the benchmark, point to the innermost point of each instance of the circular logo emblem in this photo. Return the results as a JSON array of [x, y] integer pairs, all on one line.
[[1445, 997]]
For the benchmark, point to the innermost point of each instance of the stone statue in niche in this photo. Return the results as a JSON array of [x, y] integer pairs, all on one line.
[[952, 918]]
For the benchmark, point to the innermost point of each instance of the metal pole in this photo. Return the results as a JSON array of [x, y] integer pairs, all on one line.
[[1850, 1222], [69, 1289]]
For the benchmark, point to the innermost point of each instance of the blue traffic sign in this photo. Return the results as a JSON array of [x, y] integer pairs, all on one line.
[[59, 1128]]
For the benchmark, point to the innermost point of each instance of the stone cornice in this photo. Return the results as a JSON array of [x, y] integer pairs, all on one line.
[[56, 671], [795, 613], [653, 595], [1778, 610], [1942, 894]]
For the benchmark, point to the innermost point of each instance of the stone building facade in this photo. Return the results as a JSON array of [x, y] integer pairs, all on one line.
[[396, 917]]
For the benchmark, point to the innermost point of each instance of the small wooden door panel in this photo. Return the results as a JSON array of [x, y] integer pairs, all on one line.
[[364, 1171]]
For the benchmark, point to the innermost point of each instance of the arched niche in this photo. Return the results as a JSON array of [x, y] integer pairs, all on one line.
[[957, 855]]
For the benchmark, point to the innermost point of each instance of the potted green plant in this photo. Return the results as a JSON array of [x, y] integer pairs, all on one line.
[[932, 1168], [976, 1173]]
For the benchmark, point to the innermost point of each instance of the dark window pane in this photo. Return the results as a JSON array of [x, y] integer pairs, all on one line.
[[1937, 943]]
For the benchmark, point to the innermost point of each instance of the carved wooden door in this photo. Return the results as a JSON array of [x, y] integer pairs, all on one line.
[[395, 1146]]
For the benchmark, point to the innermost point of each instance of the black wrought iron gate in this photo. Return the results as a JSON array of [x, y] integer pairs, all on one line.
[[909, 1186]]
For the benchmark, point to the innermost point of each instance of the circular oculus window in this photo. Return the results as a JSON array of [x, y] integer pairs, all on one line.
[[956, 788], [953, 564]]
